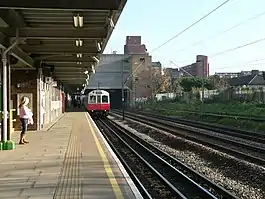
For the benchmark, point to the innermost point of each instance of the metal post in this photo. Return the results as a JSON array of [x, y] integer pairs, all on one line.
[[122, 89], [2, 101], [202, 104], [5, 89], [9, 119], [5, 111]]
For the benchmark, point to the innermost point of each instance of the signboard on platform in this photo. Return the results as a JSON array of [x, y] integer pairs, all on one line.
[[28, 95]]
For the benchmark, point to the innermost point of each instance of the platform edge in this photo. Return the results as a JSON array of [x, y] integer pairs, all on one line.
[[131, 184]]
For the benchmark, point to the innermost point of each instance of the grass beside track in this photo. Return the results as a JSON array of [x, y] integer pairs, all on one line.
[[233, 108]]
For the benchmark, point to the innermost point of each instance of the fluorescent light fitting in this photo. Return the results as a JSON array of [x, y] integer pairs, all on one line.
[[79, 55], [93, 69], [111, 23], [75, 21], [79, 42], [80, 20], [95, 59], [86, 72], [98, 46]]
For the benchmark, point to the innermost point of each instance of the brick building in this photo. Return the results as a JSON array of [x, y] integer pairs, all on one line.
[[142, 77], [134, 45], [197, 69]]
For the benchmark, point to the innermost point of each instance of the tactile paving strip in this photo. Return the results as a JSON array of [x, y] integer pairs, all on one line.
[[70, 182]]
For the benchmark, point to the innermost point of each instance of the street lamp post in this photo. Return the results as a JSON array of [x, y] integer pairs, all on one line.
[[202, 103], [122, 88]]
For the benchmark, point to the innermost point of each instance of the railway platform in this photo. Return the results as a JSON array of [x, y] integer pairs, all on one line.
[[69, 160]]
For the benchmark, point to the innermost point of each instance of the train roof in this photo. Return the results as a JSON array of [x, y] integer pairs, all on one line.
[[99, 92]]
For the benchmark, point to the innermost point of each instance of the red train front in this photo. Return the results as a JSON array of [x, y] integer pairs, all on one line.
[[98, 103]]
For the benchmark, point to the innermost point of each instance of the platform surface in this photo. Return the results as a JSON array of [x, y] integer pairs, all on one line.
[[70, 160]]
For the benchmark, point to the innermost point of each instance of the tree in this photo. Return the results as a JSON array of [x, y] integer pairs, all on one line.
[[187, 84], [195, 82]]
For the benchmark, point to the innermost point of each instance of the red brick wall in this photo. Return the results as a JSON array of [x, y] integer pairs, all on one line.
[[28, 84]]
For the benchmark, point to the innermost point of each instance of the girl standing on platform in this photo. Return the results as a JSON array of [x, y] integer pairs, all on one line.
[[25, 115]]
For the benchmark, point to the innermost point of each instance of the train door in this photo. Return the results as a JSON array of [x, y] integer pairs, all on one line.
[[99, 102]]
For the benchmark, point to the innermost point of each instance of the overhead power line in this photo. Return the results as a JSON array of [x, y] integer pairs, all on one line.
[[247, 63], [224, 31], [231, 49], [238, 47], [180, 33], [190, 26]]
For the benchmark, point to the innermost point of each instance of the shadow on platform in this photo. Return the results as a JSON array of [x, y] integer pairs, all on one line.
[[76, 110]]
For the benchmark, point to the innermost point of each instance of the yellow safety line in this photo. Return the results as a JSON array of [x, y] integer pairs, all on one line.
[[108, 169]]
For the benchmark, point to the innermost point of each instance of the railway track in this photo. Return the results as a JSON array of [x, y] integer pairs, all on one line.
[[242, 150], [249, 135], [157, 174]]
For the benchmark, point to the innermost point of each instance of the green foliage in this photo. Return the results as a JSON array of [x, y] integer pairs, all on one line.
[[228, 108], [189, 83]]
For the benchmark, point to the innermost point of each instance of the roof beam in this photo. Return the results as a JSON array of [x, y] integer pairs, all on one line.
[[57, 49], [66, 5], [71, 68], [68, 62], [17, 52], [56, 33], [64, 59], [83, 76], [80, 72], [3, 41], [12, 18], [22, 56]]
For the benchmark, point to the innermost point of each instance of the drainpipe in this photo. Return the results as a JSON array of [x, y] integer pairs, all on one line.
[[5, 90]]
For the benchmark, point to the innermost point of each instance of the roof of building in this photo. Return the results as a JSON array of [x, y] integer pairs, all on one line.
[[254, 79]]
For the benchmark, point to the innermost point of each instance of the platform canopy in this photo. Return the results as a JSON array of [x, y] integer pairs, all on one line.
[[64, 36]]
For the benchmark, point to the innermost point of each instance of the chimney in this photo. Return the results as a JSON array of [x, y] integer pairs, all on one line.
[[254, 72]]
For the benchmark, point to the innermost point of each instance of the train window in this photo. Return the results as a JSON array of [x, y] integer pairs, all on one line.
[[98, 99], [92, 99], [104, 99]]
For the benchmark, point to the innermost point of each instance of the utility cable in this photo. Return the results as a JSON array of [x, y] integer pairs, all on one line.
[[190, 26], [238, 47], [180, 33], [247, 63], [231, 49], [223, 32]]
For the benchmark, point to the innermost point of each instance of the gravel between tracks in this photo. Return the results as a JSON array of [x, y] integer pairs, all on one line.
[[244, 179]]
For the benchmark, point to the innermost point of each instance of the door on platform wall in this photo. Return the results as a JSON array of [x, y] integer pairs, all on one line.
[[47, 104], [63, 102], [42, 104]]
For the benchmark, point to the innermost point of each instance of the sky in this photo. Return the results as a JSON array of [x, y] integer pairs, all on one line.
[[157, 21]]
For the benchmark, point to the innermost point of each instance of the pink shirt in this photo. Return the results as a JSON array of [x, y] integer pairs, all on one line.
[[24, 112]]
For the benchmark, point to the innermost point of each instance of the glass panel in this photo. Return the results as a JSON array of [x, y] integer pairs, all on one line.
[[92, 99], [98, 99], [104, 99]]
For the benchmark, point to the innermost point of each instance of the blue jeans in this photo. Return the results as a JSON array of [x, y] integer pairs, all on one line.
[[24, 125]]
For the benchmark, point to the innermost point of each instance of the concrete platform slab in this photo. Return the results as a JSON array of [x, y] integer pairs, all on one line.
[[69, 160]]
